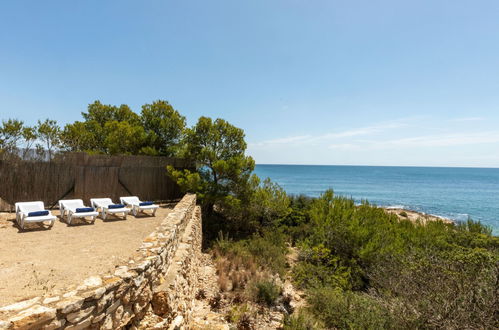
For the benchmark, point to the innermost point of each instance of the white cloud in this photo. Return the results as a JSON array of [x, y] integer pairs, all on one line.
[[329, 137], [444, 140], [414, 141], [363, 131]]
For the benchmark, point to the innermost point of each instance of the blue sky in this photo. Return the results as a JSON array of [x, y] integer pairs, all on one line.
[[310, 82]]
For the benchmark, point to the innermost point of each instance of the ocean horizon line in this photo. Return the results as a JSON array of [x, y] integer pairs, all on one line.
[[407, 166]]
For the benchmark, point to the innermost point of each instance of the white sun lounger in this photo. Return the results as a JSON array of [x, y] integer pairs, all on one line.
[[104, 203], [23, 210], [70, 208], [134, 202]]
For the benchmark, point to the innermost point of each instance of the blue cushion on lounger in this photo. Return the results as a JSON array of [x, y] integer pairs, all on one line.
[[84, 209], [116, 206], [145, 203], [38, 213]]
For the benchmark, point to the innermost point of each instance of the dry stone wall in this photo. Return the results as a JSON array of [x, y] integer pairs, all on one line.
[[160, 278]]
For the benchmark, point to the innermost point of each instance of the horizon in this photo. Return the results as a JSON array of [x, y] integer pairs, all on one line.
[[350, 165], [328, 82]]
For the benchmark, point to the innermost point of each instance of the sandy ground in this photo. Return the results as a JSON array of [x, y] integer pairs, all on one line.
[[41, 261]]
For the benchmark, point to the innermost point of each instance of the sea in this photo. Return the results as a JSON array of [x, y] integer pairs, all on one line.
[[450, 192]]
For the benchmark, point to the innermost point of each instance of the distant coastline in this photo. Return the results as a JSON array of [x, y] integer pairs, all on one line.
[[414, 216], [449, 193]]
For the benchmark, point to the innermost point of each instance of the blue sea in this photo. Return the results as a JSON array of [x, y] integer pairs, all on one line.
[[455, 193]]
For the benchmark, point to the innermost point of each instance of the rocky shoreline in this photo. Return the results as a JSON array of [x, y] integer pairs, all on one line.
[[415, 216]]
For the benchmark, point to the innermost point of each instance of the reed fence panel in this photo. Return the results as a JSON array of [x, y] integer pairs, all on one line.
[[87, 176]]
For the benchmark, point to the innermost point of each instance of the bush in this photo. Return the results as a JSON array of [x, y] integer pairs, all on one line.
[[458, 284], [348, 310], [307, 276], [235, 314], [266, 292], [402, 274], [302, 321]]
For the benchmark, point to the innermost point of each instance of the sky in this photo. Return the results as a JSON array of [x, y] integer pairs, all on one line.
[[351, 82]]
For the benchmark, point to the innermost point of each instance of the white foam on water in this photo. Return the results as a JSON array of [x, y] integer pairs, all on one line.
[[392, 207]]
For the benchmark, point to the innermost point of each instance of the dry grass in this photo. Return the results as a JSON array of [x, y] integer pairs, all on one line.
[[235, 272]]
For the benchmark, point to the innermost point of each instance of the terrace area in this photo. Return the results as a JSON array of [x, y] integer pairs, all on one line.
[[39, 261]]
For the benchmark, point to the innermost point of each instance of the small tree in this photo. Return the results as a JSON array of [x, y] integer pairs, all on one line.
[[49, 133], [223, 171], [11, 133], [29, 136]]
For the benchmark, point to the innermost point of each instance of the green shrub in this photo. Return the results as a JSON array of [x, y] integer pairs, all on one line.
[[348, 310], [433, 275], [403, 214], [459, 284], [302, 321], [235, 314], [266, 292], [319, 268]]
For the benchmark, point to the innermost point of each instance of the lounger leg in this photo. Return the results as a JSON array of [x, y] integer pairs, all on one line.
[[70, 218], [103, 215], [154, 212]]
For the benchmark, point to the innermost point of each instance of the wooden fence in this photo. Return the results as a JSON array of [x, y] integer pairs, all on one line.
[[87, 176]]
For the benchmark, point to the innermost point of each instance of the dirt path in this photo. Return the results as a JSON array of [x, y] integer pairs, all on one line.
[[297, 296], [203, 316], [40, 261]]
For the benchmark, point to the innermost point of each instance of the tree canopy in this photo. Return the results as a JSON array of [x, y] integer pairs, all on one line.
[[109, 129]]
